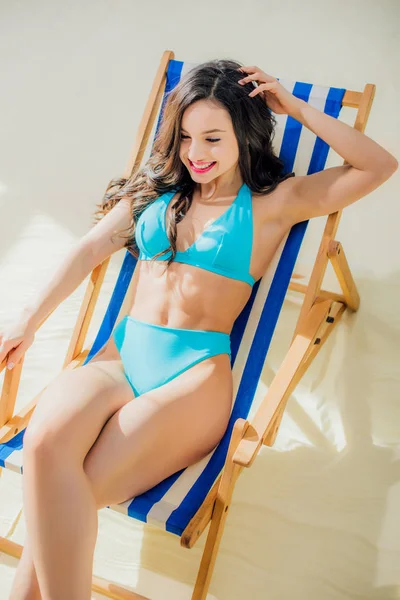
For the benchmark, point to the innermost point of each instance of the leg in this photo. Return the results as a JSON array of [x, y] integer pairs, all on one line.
[[161, 431], [61, 517], [84, 399], [26, 585], [216, 395]]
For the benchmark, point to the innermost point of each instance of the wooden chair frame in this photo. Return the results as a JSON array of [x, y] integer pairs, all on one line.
[[321, 310]]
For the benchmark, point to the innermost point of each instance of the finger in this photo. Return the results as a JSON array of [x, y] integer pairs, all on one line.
[[4, 348], [248, 69], [249, 78], [15, 356], [262, 88]]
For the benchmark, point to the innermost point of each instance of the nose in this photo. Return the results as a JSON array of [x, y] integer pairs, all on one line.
[[195, 153]]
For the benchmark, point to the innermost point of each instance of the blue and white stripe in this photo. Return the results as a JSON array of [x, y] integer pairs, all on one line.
[[171, 504]]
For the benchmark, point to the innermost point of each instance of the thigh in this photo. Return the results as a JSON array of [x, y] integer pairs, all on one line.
[[161, 431], [74, 407]]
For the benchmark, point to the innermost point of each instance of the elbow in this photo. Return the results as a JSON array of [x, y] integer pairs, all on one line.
[[385, 170], [391, 167], [395, 164]]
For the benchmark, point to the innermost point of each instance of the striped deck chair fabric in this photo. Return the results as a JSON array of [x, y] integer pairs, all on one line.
[[172, 503]]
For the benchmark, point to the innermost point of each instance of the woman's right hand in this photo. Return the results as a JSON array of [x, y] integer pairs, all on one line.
[[15, 339]]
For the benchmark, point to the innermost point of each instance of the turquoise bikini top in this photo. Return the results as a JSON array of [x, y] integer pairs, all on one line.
[[224, 247]]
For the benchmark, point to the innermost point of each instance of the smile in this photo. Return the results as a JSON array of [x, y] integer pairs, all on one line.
[[205, 170]]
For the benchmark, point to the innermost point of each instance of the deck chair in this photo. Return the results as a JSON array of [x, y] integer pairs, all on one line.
[[185, 503]]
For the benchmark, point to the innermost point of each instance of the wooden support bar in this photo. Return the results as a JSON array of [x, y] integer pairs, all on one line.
[[343, 273], [318, 273], [325, 294], [149, 115], [352, 99]]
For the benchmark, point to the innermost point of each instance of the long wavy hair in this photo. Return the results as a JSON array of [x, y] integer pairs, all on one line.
[[254, 127]]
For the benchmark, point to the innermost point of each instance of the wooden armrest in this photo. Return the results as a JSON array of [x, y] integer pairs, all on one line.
[[12, 378], [281, 386], [3, 364]]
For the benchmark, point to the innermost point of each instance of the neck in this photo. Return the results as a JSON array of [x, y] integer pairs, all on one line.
[[222, 187]]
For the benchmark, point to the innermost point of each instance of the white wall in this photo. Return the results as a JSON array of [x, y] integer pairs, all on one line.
[[317, 516]]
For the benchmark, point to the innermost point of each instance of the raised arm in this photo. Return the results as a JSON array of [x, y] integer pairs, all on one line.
[[328, 191]]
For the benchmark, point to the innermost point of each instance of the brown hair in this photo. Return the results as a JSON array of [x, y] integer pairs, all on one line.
[[253, 124]]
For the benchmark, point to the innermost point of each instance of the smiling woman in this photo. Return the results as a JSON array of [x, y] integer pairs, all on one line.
[[159, 396], [208, 100]]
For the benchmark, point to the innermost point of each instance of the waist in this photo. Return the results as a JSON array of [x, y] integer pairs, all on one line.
[[203, 333], [176, 321]]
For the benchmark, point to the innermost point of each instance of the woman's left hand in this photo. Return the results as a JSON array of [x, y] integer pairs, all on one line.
[[275, 95]]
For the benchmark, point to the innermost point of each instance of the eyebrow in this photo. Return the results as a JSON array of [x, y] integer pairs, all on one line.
[[208, 131]]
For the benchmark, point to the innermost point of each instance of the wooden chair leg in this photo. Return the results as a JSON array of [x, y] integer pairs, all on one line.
[[225, 490]]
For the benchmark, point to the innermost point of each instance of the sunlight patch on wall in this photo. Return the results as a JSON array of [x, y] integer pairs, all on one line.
[[29, 260]]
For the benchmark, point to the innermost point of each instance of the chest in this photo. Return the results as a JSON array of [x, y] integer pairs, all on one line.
[[234, 238], [199, 220], [267, 231]]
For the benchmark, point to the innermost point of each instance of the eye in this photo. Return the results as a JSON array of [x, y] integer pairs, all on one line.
[[212, 140]]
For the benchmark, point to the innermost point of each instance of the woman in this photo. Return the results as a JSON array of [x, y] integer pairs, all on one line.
[[204, 217]]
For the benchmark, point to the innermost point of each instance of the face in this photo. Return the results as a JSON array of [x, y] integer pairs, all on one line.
[[199, 149]]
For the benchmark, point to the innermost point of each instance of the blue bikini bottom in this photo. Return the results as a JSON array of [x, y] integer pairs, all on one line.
[[154, 354]]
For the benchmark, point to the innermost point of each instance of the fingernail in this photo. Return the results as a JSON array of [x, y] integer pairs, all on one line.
[[10, 365]]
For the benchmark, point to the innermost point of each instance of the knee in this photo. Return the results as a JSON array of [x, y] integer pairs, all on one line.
[[47, 432], [39, 442]]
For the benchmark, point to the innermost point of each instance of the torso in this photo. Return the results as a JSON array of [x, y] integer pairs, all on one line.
[[184, 296]]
